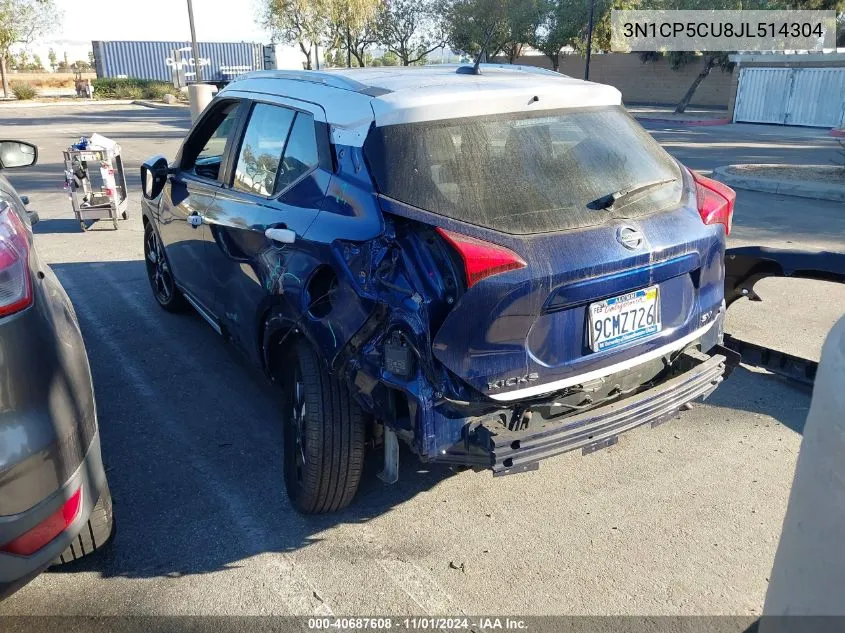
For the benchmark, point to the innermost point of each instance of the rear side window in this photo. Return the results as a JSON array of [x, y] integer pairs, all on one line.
[[261, 149], [525, 173], [300, 153]]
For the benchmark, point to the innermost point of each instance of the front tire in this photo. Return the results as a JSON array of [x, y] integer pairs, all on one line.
[[324, 434], [161, 279]]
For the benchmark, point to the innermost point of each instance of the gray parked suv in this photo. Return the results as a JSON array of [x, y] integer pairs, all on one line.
[[55, 504]]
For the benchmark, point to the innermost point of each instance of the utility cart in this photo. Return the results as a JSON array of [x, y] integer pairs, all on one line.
[[95, 181]]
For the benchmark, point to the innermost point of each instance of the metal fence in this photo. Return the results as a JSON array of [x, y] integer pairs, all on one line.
[[792, 96]]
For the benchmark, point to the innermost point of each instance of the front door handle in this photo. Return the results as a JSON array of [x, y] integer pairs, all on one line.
[[282, 236], [194, 219]]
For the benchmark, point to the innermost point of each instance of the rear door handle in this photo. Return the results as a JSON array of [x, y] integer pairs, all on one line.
[[282, 236], [194, 219]]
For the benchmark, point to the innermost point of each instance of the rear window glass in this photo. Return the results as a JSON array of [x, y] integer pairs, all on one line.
[[525, 173]]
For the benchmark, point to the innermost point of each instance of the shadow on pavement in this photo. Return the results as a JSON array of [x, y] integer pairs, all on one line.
[[60, 225], [192, 442], [742, 391], [191, 439]]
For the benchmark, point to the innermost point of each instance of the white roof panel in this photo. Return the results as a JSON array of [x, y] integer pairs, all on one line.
[[437, 92], [351, 98]]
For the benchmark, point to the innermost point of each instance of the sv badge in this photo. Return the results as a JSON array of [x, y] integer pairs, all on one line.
[[513, 381]]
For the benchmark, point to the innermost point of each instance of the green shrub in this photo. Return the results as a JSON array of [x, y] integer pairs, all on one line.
[[109, 88], [23, 90], [157, 89]]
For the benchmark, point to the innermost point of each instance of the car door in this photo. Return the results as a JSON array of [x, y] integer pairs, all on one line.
[[189, 198], [278, 177]]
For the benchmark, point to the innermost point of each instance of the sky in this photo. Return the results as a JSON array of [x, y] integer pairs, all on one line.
[[82, 22]]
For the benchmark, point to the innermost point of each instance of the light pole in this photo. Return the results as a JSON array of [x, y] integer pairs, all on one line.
[[194, 49], [589, 40]]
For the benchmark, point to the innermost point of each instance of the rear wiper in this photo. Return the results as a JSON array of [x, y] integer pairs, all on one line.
[[605, 202]]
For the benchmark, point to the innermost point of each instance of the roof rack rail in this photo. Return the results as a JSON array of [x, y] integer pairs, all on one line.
[[312, 76], [534, 70]]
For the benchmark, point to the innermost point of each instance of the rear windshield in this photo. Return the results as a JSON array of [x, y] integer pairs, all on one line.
[[525, 173]]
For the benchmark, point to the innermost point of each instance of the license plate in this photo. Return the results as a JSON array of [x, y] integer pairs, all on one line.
[[625, 318]]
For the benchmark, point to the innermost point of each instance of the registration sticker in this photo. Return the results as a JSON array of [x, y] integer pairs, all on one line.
[[625, 318]]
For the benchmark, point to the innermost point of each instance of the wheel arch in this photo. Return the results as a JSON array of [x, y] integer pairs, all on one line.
[[279, 333]]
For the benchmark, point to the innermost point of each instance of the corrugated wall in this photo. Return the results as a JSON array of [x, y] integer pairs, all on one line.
[[819, 96], [149, 60], [763, 95], [792, 96]]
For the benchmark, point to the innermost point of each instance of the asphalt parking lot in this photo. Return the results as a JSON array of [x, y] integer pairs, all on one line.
[[681, 519]]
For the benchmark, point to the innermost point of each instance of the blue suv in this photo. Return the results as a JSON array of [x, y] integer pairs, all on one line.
[[495, 267]]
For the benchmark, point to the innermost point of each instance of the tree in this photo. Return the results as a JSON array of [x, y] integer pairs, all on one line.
[[561, 23], [410, 29], [51, 56], [390, 59], [360, 41], [81, 65], [710, 59], [510, 24], [601, 29], [21, 21], [90, 59], [36, 64], [352, 23], [300, 22]]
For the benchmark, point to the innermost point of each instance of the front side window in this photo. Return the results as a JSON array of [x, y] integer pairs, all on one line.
[[204, 151], [261, 149]]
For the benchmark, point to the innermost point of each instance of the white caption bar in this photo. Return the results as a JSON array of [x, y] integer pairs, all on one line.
[[722, 30]]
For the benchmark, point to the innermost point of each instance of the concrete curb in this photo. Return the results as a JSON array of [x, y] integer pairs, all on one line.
[[160, 106], [689, 122], [797, 188], [838, 132]]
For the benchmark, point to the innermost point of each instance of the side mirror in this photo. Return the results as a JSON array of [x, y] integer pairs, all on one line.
[[14, 154], [154, 174], [33, 217]]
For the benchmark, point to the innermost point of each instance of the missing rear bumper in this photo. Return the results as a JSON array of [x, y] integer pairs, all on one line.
[[507, 451]]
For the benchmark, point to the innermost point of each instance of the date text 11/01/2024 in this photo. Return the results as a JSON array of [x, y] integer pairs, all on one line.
[[418, 624], [723, 29]]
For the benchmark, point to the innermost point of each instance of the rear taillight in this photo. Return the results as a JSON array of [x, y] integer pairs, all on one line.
[[34, 539], [15, 284], [715, 201], [481, 259]]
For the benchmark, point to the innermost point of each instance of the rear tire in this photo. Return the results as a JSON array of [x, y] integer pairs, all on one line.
[[95, 533], [166, 294], [324, 436]]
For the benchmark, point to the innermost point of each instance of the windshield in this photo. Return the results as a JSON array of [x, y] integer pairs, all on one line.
[[525, 173]]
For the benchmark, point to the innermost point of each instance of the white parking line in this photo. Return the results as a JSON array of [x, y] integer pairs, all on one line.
[[414, 581]]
